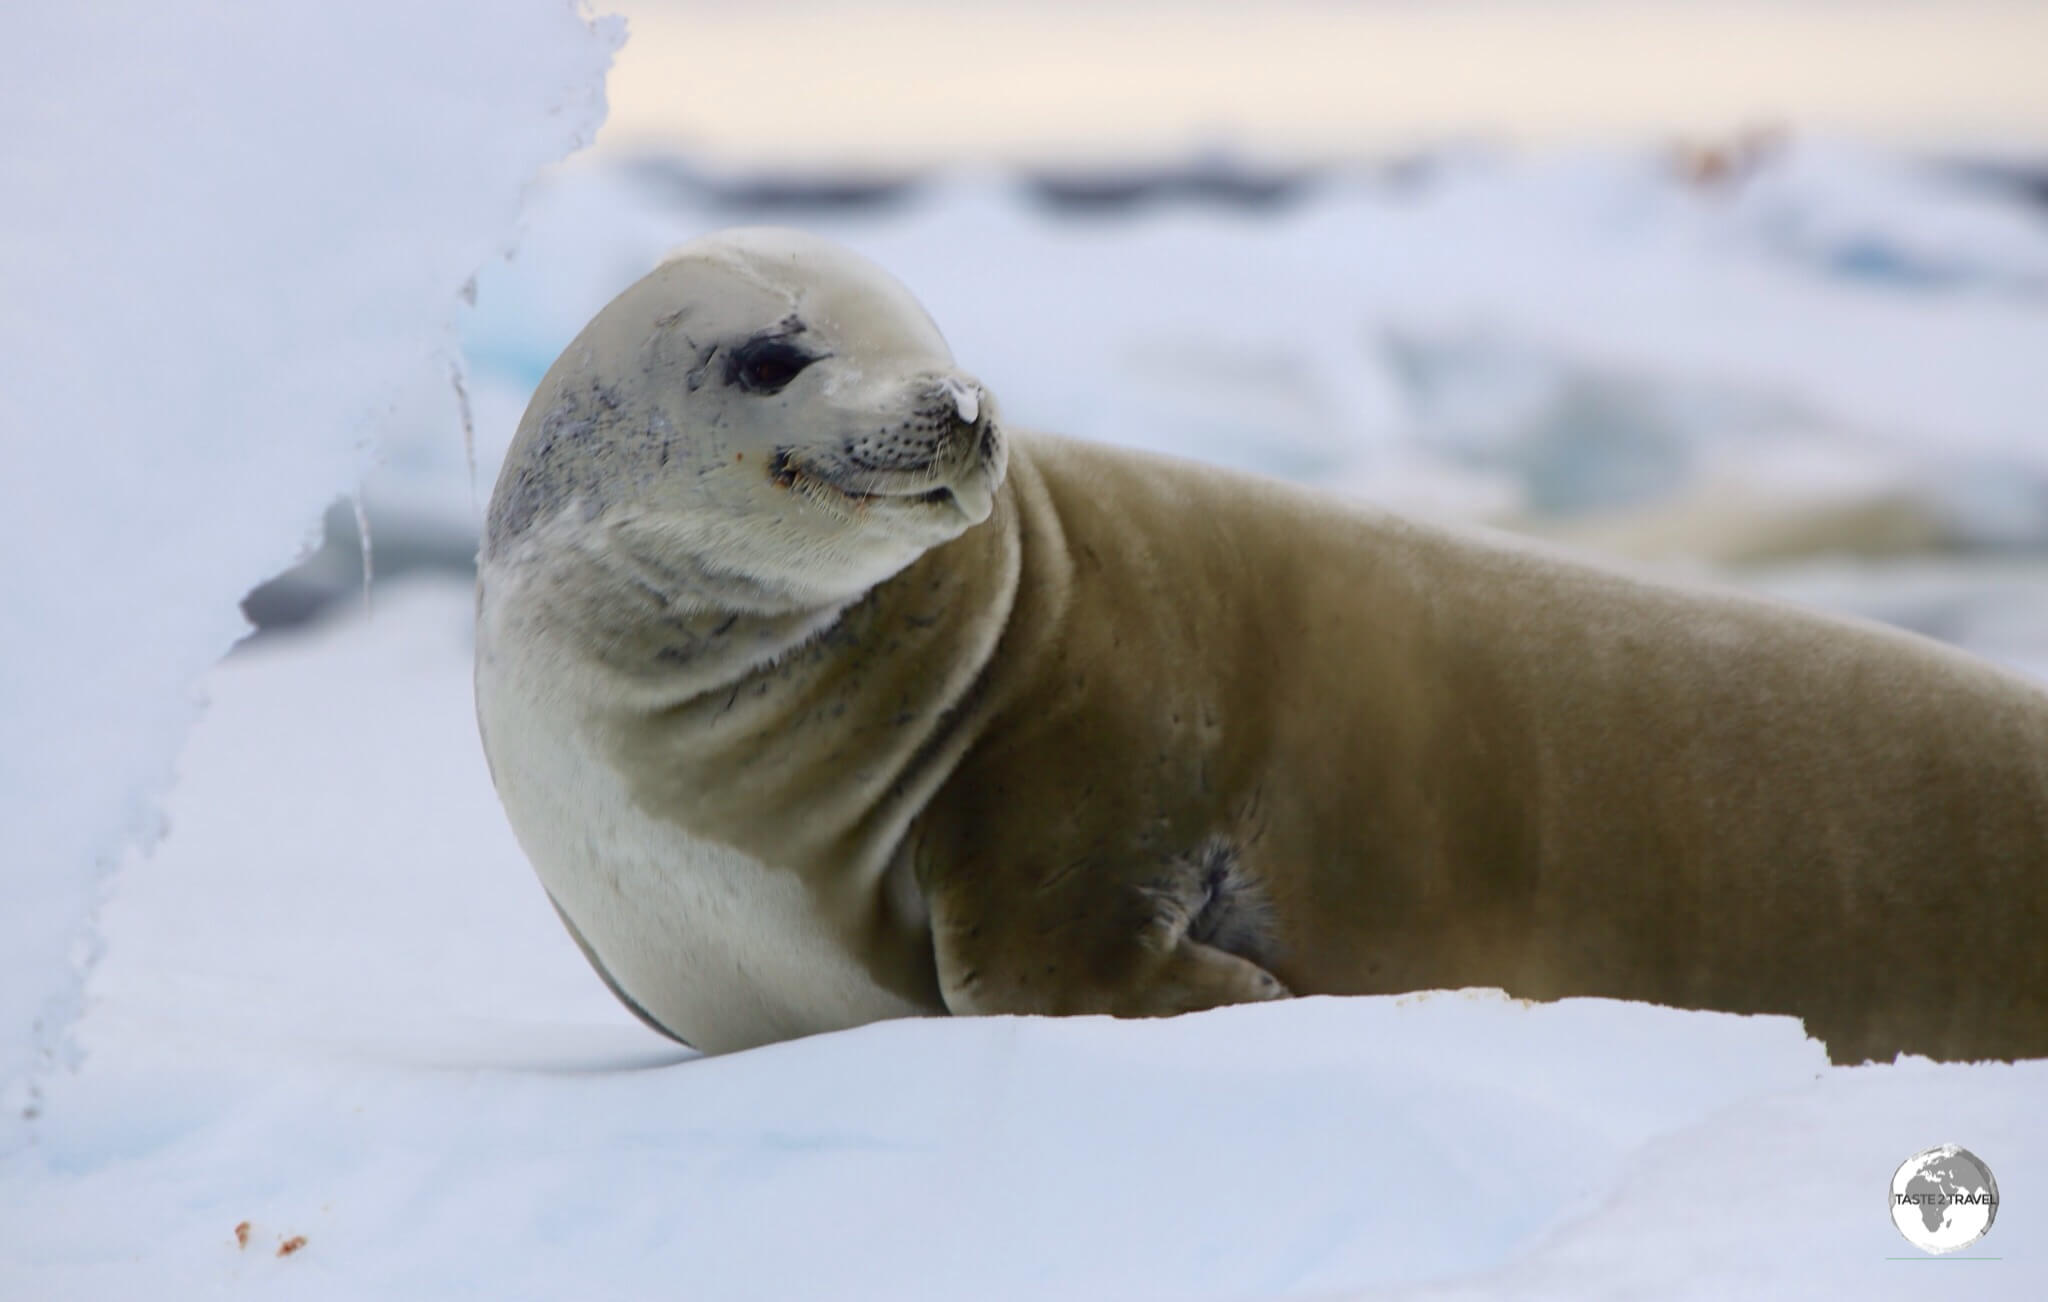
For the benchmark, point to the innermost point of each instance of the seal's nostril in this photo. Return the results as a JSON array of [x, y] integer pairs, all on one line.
[[965, 396]]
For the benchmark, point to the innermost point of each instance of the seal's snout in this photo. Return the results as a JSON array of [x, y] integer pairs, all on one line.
[[965, 396], [945, 450], [966, 453], [978, 439], [959, 415], [955, 405]]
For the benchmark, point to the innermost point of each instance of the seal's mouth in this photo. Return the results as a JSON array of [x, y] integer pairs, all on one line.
[[857, 486], [926, 487]]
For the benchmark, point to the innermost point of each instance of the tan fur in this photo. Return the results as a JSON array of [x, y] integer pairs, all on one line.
[[1155, 737], [1458, 762]]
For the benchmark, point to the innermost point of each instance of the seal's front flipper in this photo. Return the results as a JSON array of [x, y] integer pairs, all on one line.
[[1181, 938], [1197, 976]]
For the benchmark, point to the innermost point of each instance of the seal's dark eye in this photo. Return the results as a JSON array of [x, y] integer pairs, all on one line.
[[765, 365]]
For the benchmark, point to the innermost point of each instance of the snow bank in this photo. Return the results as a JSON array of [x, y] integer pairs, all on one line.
[[335, 1004], [231, 238], [1782, 1199]]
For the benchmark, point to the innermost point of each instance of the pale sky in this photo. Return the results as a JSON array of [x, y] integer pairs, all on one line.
[[786, 82]]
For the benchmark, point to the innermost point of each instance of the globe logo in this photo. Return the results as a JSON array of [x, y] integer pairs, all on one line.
[[1944, 1199]]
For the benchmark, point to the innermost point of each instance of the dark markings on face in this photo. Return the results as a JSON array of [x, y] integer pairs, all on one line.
[[694, 379], [558, 466]]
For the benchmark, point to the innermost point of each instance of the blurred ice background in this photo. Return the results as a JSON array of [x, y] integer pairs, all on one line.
[[1757, 289]]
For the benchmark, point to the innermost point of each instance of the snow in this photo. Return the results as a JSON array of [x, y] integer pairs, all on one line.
[[229, 251], [335, 1003]]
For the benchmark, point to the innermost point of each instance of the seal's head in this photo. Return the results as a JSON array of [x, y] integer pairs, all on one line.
[[767, 408]]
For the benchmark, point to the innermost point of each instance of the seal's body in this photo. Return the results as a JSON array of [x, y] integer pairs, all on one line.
[[835, 702]]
